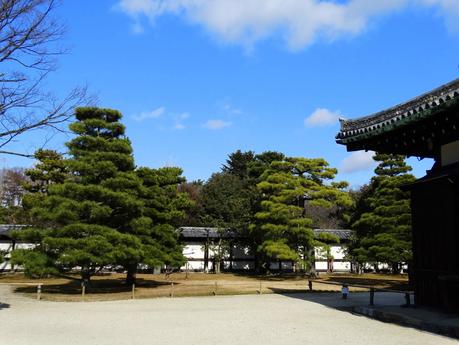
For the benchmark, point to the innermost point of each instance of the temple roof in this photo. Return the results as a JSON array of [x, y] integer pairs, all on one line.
[[438, 101], [205, 232], [342, 234], [208, 232]]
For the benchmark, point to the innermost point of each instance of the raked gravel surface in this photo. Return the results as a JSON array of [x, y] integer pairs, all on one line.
[[267, 319]]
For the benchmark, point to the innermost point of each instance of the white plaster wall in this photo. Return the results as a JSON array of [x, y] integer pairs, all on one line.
[[321, 265], [193, 266], [344, 266], [194, 250], [338, 252]]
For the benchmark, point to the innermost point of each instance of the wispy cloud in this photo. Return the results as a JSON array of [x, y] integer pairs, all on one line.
[[179, 121], [165, 120], [358, 161], [137, 28], [230, 110], [216, 124], [448, 9], [146, 115], [299, 22], [179, 126], [322, 117]]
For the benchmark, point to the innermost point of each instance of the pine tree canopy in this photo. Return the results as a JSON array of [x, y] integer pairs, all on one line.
[[288, 186], [383, 229], [94, 209]]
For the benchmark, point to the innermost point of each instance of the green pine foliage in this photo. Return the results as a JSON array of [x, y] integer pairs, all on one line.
[[238, 163], [281, 228], [226, 200], [383, 222], [95, 209], [50, 168], [163, 211]]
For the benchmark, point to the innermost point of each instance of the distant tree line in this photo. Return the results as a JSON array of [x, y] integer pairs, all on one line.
[[94, 208], [275, 201]]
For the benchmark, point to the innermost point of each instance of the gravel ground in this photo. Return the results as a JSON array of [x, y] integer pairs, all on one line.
[[268, 319]]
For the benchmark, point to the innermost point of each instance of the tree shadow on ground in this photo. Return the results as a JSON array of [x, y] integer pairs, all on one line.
[[4, 306], [273, 276], [96, 286], [326, 298], [390, 302], [392, 284]]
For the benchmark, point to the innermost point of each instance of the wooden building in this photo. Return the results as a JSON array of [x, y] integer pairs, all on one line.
[[203, 246], [426, 127], [7, 244]]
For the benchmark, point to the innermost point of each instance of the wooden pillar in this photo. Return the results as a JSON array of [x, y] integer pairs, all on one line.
[[231, 257], [13, 247], [206, 256], [372, 296]]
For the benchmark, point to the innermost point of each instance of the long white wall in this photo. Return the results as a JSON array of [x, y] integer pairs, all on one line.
[[243, 260], [6, 246]]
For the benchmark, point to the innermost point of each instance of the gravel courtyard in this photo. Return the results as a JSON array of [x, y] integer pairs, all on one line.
[[268, 319]]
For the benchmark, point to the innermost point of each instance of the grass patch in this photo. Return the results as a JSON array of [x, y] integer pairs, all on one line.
[[382, 281], [112, 286]]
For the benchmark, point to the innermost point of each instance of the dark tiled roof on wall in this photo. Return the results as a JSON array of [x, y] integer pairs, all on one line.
[[342, 234], [204, 232], [5, 229]]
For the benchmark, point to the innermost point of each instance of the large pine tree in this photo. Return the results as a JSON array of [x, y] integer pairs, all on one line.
[[282, 230], [98, 214], [86, 220], [383, 227]]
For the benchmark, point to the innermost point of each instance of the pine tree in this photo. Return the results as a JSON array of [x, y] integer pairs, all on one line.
[[226, 201], [384, 228], [282, 230], [86, 219], [95, 209], [238, 163], [163, 210], [50, 168]]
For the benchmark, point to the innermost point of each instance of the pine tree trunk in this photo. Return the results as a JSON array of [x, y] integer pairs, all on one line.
[[131, 274], [256, 261], [85, 274]]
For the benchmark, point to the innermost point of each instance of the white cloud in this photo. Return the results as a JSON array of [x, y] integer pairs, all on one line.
[[230, 110], [183, 116], [449, 9], [154, 114], [137, 28], [179, 121], [358, 161], [300, 22], [322, 117], [179, 126], [216, 124]]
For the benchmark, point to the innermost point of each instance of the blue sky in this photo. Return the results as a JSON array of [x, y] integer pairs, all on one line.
[[199, 79]]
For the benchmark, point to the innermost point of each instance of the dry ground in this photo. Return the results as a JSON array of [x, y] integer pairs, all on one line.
[[277, 319], [112, 286]]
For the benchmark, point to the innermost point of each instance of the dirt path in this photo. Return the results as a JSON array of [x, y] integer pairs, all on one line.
[[268, 319]]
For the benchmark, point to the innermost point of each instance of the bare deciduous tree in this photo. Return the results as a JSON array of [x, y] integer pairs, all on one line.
[[12, 186], [29, 46]]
